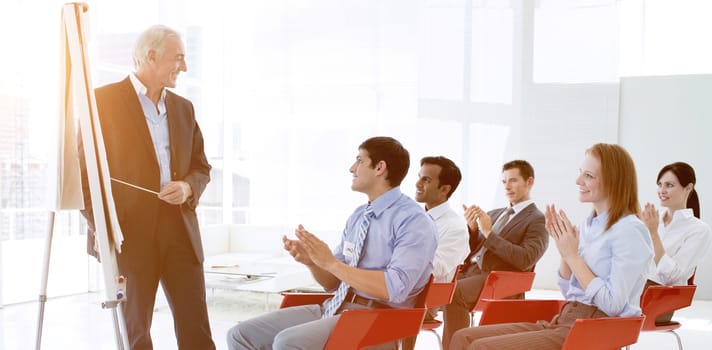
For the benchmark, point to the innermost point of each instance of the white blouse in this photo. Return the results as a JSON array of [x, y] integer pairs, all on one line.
[[686, 240], [453, 241]]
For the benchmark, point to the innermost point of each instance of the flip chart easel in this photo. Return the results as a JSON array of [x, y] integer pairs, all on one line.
[[78, 99]]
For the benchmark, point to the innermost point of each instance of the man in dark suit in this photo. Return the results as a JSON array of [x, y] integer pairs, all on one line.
[[511, 239], [153, 142]]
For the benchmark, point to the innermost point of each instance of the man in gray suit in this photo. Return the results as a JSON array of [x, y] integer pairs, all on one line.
[[511, 239]]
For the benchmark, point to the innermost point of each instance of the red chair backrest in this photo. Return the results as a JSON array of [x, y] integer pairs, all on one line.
[[423, 296], [441, 293], [360, 328], [504, 284], [357, 329], [518, 310], [658, 300], [586, 334], [691, 280], [606, 333]]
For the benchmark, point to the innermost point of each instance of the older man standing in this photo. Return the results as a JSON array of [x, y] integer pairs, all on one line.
[[153, 142]]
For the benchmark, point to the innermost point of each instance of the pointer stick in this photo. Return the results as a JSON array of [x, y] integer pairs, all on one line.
[[134, 186]]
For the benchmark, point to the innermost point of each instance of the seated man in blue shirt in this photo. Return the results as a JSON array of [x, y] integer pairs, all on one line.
[[384, 259]]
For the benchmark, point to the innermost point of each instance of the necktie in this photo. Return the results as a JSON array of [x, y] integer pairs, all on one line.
[[333, 304], [502, 220]]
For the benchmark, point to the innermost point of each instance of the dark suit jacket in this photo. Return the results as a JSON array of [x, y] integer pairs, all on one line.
[[518, 247], [131, 158]]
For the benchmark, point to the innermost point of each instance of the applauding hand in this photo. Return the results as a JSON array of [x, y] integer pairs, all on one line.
[[562, 232]]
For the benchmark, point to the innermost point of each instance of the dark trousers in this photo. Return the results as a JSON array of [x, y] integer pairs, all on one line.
[[541, 335], [456, 316], [165, 255]]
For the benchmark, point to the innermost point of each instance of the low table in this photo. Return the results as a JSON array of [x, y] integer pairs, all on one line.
[[259, 273]]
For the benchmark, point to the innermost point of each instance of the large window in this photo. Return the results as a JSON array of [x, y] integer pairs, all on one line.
[[283, 104], [660, 37]]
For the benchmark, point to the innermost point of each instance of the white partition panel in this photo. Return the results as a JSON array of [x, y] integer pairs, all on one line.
[[665, 119]]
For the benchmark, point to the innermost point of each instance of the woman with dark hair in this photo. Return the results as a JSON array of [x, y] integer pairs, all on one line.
[[680, 238], [603, 259]]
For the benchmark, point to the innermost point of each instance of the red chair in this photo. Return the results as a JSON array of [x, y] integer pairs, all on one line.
[[297, 299], [586, 334], [439, 294], [501, 285], [691, 280], [518, 310], [358, 329], [658, 300]]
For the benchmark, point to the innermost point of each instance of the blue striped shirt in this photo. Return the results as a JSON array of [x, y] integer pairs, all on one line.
[[401, 241]]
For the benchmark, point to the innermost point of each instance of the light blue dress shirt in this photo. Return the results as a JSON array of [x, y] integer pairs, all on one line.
[[157, 123], [619, 257], [401, 241]]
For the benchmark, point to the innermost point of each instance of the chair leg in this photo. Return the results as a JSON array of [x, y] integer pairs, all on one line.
[[679, 341], [440, 341], [437, 336]]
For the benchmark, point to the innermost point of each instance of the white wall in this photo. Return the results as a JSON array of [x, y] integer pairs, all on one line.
[[559, 122], [664, 119]]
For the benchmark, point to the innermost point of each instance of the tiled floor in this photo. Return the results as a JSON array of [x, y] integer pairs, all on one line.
[[78, 322]]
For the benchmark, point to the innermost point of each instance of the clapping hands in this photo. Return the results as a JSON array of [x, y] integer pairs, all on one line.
[[562, 232], [308, 249], [649, 215], [477, 219]]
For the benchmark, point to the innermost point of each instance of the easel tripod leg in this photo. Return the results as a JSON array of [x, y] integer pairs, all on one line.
[[43, 282], [122, 340], [119, 338]]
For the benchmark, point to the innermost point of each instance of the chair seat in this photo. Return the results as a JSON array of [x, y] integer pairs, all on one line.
[[431, 325], [669, 326]]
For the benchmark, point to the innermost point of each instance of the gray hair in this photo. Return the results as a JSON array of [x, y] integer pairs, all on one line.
[[154, 38]]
